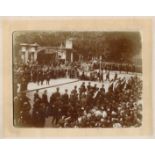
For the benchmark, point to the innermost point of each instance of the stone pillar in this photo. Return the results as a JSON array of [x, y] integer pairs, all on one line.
[[32, 56], [26, 56], [35, 56], [71, 56], [23, 56]]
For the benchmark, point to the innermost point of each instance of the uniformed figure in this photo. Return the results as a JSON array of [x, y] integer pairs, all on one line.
[[57, 93], [115, 78], [47, 77], [101, 78], [82, 88], [36, 95], [24, 83], [45, 102], [44, 97], [83, 76], [65, 103], [107, 76], [25, 118], [65, 97], [95, 88], [110, 89], [74, 91], [89, 86]]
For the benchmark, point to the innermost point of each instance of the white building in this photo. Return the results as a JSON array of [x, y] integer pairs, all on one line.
[[28, 52], [34, 52]]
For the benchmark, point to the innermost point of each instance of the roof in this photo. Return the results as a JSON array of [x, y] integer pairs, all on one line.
[[25, 44]]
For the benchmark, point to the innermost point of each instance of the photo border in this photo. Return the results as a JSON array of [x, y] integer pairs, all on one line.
[[142, 24]]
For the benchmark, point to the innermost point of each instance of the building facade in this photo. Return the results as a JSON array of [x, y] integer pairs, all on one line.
[[33, 52], [28, 52]]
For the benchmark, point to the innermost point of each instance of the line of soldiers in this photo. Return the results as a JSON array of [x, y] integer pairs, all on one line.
[[88, 106], [38, 74], [23, 74], [115, 67]]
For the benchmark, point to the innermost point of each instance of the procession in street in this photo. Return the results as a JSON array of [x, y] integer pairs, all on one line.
[[66, 92]]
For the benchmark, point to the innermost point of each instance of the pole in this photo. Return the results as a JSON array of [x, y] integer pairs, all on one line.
[[100, 63]]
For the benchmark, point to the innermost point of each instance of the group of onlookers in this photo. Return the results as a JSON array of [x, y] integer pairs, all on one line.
[[86, 106]]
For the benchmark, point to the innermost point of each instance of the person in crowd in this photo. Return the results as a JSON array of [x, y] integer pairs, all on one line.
[[89, 106], [115, 77], [101, 76], [47, 77], [22, 108], [108, 76], [36, 95], [89, 86], [82, 89], [44, 100], [26, 73]]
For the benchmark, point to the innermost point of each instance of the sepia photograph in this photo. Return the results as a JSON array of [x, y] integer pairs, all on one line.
[[77, 79], [75, 75]]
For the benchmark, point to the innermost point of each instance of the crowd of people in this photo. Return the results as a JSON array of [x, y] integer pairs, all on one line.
[[26, 73], [84, 107]]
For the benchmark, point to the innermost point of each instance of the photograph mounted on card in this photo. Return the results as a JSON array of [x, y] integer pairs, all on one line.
[[77, 77]]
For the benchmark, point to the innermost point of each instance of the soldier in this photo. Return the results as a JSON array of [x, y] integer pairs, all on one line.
[[34, 76], [45, 102], [83, 76], [52, 104], [115, 78], [83, 99], [36, 95], [65, 97], [42, 77], [95, 88], [74, 91], [38, 77], [89, 86], [56, 106], [44, 97], [82, 88], [58, 110], [101, 78], [107, 76], [89, 100], [23, 85], [57, 93], [110, 89], [73, 99], [47, 77]]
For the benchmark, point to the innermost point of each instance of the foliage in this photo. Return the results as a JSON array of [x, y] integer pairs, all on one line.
[[113, 46]]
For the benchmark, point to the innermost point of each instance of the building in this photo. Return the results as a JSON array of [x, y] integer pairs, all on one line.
[[33, 52], [28, 52]]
